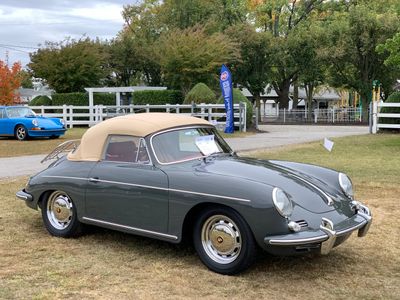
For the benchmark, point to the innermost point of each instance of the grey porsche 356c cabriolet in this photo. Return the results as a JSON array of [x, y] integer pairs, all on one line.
[[173, 177]]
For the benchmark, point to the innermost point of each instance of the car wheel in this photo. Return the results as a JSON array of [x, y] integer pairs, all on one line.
[[59, 215], [21, 133], [224, 241]]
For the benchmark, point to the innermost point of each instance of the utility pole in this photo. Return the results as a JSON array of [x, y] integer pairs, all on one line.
[[7, 58]]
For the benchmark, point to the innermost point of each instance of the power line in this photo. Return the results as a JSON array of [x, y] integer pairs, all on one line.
[[16, 46], [13, 49]]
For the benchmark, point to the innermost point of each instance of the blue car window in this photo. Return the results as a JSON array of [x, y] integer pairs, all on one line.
[[19, 112], [2, 113]]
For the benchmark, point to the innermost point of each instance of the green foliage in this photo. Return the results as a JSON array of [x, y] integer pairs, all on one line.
[[239, 97], [393, 98], [157, 97], [82, 99], [26, 79], [191, 55], [393, 47], [200, 93], [40, 100], [70, 65]]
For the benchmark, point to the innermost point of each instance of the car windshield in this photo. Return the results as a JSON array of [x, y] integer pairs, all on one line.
[[187, 144], [19, 112]]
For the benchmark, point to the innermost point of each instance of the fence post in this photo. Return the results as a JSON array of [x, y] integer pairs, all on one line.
[[42, 110], [315, 115], [71, 116], [284, 115], [333, 115], [101, 109], [167, 108], [65, 114], [178, 110], [202, 110], [370, 117], [244, 118], [192, 109], [375, 117], [210, 113], [240, 116], [147, 108], [256, 117]]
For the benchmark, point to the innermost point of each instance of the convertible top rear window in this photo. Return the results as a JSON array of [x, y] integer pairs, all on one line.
[[187, 144]]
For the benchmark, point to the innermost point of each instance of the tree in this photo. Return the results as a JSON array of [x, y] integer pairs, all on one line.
[[10, 81], [281, 18], [392, 46], [70, 65], [350, 48], [189, 56], [252, 70], [26, 79]]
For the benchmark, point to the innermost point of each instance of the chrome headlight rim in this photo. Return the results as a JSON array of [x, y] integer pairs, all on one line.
[[346, 185], [62, 122], [35, 122], [277, 196]]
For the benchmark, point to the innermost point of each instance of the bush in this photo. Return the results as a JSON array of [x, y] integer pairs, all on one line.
[[82, 99], [393, 98], [200, 93], [40, 100], [239, 97], [157, 97]]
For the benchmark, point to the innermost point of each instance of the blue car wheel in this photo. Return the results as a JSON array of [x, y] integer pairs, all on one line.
[[21, 133]]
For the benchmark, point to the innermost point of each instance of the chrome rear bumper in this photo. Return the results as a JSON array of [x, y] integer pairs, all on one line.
[[327, 233]]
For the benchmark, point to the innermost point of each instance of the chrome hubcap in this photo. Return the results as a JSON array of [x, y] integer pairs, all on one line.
[[21, 132], [59, 210], [221, 239]]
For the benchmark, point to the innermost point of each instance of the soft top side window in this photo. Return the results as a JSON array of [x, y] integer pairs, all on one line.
[[124, 148], [2, 113]]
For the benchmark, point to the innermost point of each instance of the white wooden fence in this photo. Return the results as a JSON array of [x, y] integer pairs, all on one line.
[[91, 115], [376, 115]]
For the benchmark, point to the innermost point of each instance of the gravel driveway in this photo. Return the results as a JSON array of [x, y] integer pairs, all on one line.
[[275, 136]]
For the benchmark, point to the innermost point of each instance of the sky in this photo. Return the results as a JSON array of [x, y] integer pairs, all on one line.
[[24, 24]]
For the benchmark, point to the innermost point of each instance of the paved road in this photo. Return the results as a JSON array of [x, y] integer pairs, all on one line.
[[275, 136]]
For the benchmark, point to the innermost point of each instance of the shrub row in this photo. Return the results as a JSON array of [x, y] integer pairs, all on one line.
[[82, 99]]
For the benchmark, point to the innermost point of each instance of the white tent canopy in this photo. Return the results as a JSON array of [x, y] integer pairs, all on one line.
[[119, 90]]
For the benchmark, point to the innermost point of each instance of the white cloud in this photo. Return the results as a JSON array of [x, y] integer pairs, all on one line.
[[100, 12]]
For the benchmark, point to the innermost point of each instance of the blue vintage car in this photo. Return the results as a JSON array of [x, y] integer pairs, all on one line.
[[22, 123]]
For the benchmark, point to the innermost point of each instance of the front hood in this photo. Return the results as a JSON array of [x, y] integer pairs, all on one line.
[[47, 123], [304, 190]]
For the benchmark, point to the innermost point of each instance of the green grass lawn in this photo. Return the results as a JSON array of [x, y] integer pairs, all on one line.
[[104, 264]]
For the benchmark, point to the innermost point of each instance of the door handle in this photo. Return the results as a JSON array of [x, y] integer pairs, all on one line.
[[94, 179]]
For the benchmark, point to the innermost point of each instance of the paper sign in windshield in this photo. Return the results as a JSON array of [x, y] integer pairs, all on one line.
[[206, 144]]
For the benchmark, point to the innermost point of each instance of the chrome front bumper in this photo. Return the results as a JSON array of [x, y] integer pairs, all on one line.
[[327, 233], [24, 196]]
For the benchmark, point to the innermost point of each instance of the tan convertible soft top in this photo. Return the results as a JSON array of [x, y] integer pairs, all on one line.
[[140, 125]]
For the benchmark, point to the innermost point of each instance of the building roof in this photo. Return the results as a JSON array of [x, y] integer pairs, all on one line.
[[140, 125]]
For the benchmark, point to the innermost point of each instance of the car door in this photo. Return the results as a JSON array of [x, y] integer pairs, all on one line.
[[4, 123], [125, 189]]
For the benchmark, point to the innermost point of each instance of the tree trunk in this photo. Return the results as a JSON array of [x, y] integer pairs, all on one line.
[[295, 94], [365, 106], [257, 99], [283, 93]]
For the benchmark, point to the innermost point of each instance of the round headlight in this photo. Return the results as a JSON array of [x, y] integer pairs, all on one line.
[[62, 121], [346, 185], [282, 203], [35, 122]]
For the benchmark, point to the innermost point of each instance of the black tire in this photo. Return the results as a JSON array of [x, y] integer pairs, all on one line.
[[224, 228], [21, 133], [59, 215]]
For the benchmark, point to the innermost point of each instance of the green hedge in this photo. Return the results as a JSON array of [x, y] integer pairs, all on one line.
[[393, 98], [200, 93], [239, 97], [157, 97], [40, 100], [82, 99]]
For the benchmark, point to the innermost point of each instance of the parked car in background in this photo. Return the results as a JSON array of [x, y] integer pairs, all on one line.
[[23, 123], [173, 177]]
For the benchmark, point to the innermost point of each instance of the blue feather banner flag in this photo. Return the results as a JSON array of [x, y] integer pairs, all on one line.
[[226, 87]]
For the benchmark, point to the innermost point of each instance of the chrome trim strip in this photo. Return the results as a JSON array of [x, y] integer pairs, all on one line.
[[21, 196], [135, 229], [347, 230], [210, 195], [156, 188], [327, 197], [294, 242]]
